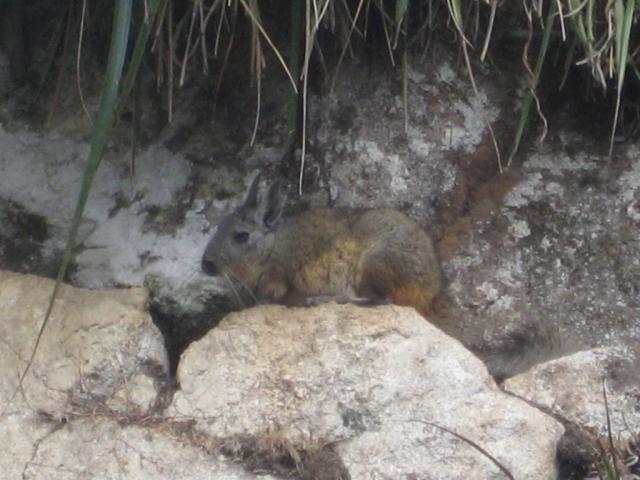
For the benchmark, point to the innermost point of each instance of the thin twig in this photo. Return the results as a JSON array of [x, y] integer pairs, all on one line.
[[346, 44], [268, 39], [492, 17], [471, 443]]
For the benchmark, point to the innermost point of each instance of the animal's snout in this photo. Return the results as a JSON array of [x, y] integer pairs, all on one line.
[[209, 266]]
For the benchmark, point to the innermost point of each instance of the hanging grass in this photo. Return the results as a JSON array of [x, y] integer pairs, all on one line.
[[184, 36]]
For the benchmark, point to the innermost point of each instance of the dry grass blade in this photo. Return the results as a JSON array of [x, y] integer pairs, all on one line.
[[258, 25], [471, 443], [188, 48], [170, 54], [563, 29], [352, 20], [258, 66], [66, 46], [405, 89], [257, 62], [203, 37], [219, 29], [534, 78], [387, 39], [225, 60], [346, 44], [487, 39], [456, 16], [295, 33], [576, 8], [308, 46], [454, 10], [310, 40]]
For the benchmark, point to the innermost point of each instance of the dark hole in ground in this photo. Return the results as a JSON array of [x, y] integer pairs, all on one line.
[[22, 235], [180, 329]]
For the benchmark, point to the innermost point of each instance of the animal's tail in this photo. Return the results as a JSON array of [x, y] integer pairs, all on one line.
[[517, 351], [506, 354]]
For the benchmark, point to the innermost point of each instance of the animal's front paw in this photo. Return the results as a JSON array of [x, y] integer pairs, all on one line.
[[316, 300]]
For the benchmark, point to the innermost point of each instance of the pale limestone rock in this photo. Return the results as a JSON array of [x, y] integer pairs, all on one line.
[[572, 388], [21, 434], [367, 380], [96, 344], [101, 449]]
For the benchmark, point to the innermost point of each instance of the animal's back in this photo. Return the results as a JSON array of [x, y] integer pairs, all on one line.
[[376, 253], [319, 251]]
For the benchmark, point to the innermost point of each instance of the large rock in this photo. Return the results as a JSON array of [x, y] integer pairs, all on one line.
[[554, 266], [100, 348], [572, 387], [372, 382]]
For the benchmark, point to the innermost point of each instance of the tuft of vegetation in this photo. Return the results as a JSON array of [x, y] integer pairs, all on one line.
[[179, 40], [616, 461]]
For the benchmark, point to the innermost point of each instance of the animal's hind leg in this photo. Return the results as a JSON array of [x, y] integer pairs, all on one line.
[[378, 275], [387, 274]]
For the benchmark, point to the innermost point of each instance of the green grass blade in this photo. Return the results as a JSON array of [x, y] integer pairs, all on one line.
[[401, 9], [623, 34], [117, 51], [138, 51], [618, 20], [526, 106], [610, 471], [578, 20], [589, 20], [456, 9]]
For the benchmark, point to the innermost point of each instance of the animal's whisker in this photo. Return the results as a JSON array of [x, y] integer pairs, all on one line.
[[230, 279]]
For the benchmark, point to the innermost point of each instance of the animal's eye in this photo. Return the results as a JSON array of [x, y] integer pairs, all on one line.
[[241, 237]]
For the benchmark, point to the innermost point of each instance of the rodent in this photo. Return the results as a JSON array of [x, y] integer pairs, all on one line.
[[375, 255]]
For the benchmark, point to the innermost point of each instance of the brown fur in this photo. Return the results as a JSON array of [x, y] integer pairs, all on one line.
[[376, 254], [328, 253]]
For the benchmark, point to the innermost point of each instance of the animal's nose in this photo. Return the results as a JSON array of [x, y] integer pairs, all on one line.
[[209, 267]]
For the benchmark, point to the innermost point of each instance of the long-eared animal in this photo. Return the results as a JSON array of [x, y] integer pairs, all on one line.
[[336, 253]]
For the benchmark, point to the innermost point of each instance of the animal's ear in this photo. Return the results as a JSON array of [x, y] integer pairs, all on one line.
[[271, 205], [251, 200]]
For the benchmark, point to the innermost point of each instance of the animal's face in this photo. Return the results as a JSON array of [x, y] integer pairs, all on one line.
[[240, 246], [244, 239]]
